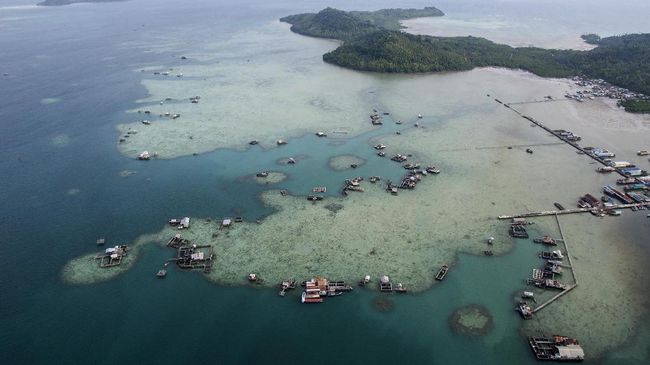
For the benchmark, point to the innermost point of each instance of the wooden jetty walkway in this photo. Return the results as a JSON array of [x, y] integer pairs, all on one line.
[[557, 135], [571, 211], [575, 279], [536, 101]]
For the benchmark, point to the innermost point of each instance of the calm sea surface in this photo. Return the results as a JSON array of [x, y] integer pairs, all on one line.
[[70, 78]]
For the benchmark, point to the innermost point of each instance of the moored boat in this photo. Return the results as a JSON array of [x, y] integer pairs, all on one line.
[[547, 240], [442, 272], [525, 310]]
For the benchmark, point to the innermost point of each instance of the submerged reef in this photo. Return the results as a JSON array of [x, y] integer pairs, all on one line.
[[472, 320], [345, 162], [383, 304]]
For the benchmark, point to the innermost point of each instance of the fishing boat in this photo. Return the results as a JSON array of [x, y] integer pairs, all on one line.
[[364, 281], [547, 240], [527, 295], [525, 310], [253, 277], [442, 272], [144, 156], [518, 231], [551, 255], [310, 298], [399, 288]]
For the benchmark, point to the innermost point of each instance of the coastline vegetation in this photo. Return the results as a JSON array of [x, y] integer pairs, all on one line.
[[591, 38], [373, 46], [636, 106]]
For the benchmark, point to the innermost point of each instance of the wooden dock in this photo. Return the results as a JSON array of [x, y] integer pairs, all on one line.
[[571, 211], [575, 279], [557, 135]]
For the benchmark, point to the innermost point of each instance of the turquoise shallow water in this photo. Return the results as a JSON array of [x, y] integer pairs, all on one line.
[[137, 318]]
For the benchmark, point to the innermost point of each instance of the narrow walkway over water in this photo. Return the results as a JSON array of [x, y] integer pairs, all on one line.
[[575, 279]]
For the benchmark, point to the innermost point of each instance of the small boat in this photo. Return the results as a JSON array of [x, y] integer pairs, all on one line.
[[380, 146], [262, 174], [252, 277], [605, 169], [291, 161], [524, 309], [442, 273], [311, 298], [280, 142], [398, 122], [643, 153], [551, 255], [253, 142], [314, 197], [399, 288], [528, 150], [490, 240], [547, 240], [321, 134], [432, 170], [161, 273], [101, 241], [381, 154], [144, 156], [364, 281], [558, 206], [419, 116], [146, 122], [527, 295]]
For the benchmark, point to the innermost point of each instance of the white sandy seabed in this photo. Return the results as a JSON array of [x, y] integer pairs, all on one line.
[[464, 132]]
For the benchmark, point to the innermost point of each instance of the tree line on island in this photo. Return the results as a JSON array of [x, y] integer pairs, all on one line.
[[372, 41]]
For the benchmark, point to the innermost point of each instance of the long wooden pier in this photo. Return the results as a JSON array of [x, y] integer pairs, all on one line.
[[571, 211], [557, 135], [575, 279]]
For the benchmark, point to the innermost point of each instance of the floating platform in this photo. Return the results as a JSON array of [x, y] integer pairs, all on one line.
[[556, 348]]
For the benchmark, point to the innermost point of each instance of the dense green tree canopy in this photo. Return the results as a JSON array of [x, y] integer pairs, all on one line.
[[372, 42]]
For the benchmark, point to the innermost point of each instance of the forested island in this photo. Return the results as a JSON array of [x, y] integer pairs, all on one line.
[[68, 2], [379, 46]]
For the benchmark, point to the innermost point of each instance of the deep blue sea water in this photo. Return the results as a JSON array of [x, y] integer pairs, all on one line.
[[74, 54]]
